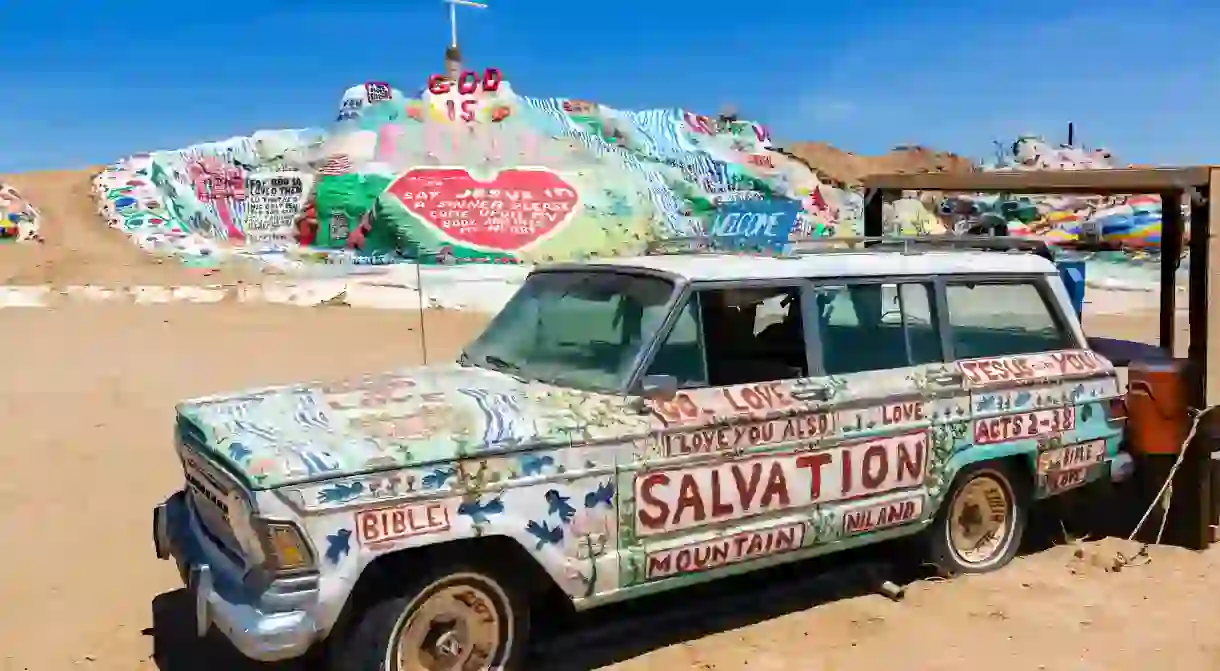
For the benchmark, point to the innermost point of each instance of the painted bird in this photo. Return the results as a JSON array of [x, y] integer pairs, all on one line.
[[340, 492], [338, 545], [604, 494], [438, 477], [238, 452], [558, 504], [478, 511], [544, 533], [535, 465]]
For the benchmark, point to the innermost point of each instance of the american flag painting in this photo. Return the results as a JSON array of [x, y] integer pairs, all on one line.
[[339, 164]]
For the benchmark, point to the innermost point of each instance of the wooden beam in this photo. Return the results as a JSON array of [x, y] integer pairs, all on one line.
[[1129, 180]]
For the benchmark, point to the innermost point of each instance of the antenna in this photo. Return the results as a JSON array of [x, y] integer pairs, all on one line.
[[453, 42], [423, 329]]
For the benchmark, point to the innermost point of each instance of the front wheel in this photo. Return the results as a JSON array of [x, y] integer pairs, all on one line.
[[456, 620], [980, 525]]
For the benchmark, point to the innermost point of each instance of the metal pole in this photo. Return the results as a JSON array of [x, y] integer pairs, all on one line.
[[453, 16]]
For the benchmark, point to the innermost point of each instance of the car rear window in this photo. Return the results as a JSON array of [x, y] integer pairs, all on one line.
[[1001, 319]]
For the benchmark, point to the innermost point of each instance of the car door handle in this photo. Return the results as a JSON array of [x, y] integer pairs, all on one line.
[[813, 392], [946, 379]]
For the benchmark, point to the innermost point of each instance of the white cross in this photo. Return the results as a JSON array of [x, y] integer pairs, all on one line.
[[453, 16]]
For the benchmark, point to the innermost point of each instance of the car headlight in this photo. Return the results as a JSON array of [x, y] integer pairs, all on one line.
[[285, 547]]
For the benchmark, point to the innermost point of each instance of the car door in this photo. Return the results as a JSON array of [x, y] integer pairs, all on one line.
[[1034, 389], [746, 474], [884, 361], [721, 484]]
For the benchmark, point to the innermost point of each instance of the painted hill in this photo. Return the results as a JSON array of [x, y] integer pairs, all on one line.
[[468, 172]]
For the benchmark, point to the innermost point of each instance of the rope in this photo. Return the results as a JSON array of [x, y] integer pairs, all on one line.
[[1164, 498]]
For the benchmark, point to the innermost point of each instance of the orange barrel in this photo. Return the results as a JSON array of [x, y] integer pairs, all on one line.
[[1156, 406]]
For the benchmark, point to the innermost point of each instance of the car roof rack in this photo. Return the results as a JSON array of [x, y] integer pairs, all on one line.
[[915, 244]]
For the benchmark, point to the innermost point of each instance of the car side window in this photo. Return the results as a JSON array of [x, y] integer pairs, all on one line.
[[681, 353], [748, 335], [867, 327], [1002, 319]]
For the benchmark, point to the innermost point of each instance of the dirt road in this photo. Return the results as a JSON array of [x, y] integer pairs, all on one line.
[[85, 401]]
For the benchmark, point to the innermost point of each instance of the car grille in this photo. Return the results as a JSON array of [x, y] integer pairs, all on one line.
[[215, 496]]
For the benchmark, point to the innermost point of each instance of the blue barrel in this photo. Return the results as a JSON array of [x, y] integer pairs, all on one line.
[[1072, 272]]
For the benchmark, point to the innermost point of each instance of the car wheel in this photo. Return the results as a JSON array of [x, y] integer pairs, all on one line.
[[980, 525], [458, 618]]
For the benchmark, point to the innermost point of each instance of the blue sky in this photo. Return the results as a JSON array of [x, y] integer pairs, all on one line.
[[85, 86]]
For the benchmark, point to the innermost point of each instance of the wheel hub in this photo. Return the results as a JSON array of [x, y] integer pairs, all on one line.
[[979, 521], [455, 629]]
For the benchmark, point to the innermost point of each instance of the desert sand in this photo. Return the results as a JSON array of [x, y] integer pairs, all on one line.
[[86, 401], [78, 248]]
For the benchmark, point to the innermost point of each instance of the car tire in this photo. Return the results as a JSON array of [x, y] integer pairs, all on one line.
[[981, 522], [459, 612]]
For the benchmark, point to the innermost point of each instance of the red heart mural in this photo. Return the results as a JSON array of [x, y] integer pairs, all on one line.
[[514, 209]]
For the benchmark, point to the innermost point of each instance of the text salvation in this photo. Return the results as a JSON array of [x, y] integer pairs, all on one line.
[[724, 551], [688, 497]]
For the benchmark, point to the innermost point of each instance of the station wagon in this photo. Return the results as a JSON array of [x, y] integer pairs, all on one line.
[[635, 425]]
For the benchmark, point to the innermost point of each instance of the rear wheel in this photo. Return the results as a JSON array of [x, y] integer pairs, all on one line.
[[456, 619], [980, 525]]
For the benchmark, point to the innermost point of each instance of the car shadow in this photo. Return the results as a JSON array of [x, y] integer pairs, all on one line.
[[619, 632], [599, 638], [177, 648]]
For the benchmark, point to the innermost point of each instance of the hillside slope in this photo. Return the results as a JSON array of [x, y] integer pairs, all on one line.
[[845, 168], [77, 246]]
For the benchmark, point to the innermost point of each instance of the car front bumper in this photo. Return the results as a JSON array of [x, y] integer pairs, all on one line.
[[268, 624]]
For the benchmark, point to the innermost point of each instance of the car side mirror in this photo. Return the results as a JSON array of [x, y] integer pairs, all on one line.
[[659, 387]]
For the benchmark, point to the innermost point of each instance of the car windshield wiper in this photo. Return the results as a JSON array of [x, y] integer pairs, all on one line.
[[501, 365]]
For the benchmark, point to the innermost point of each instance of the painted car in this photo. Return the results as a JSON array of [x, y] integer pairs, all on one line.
[[632, 426]]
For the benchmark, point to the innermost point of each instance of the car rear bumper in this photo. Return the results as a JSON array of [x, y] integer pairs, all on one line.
[[267, 625], [1122, 467]]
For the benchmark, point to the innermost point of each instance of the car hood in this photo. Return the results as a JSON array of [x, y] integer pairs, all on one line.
[[297, 433]]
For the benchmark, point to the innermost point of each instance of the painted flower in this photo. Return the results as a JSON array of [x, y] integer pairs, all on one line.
[[590, 534]]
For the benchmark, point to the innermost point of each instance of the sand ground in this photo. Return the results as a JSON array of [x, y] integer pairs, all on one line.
[[78, 248], [86, 398]]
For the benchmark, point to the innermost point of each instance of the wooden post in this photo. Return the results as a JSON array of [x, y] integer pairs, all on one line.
[[1204, 258], [1190, 520], [873, 212], [1171, 248]]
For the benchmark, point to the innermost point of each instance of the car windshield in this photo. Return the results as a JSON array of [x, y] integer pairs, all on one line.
[[582, 329]]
